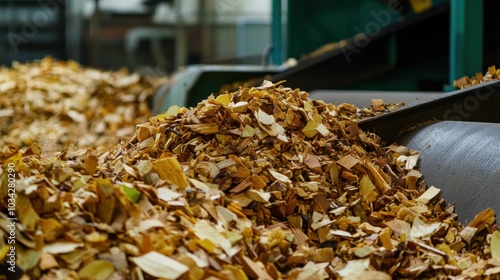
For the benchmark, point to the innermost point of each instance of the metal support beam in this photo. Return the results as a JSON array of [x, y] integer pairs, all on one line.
[[276, 34], [181, 47], [466, 38], [74, 29]]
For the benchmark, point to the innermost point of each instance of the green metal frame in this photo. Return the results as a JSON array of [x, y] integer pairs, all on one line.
[[314, 23], [466, 38], [276, 34]]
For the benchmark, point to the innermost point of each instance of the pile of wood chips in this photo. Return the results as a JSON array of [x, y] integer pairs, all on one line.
[[261, 183], [66, 104], [491, 74]]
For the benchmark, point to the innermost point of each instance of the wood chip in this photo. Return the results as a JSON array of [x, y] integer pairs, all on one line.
[[354, 267], [96, 270], [411, 179], [348, 162], [47, 261], [204, 128], [468, 233], [378, 180], [429, 195], [313, 163], [161, 266], [482, 219], [310, 130], [495, 245], [258, 196], [378, 104], [264, 118], [253, 269], [170, 170], [280, 177]]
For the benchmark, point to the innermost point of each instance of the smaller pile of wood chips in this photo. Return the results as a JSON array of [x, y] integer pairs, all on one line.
[[491, 74], [65, 103], [261, 183]]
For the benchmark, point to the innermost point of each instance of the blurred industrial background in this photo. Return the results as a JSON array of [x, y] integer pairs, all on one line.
[[407, 45], [110, 34]]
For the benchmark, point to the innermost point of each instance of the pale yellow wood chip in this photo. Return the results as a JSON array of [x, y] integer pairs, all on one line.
[[96, 270], [280, 177], [429, 195], [264, 118], [377, 179], [485, 217], [161, 266], [310, 130], [170, 170], [495, 244]]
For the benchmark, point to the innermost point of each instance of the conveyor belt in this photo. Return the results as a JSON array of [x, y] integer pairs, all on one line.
[[460, 148], [463, 160], [364, 98], [479, 103]]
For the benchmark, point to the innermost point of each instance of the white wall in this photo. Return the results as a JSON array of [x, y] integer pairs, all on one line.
[[224, 14], [221, 14], [221, 11], [228, 11]]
